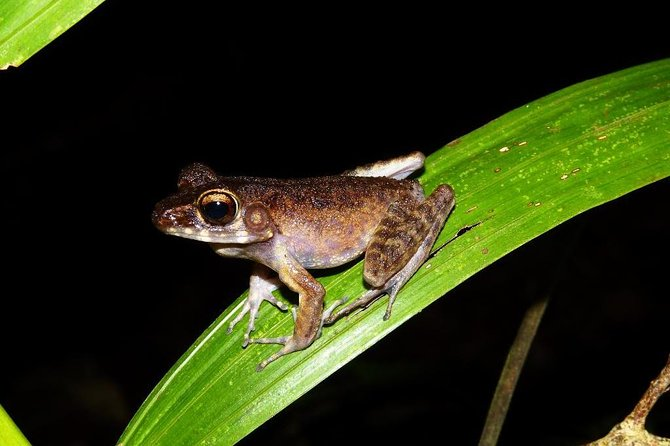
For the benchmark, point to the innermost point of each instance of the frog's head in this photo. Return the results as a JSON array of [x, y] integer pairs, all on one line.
[[206, 209]]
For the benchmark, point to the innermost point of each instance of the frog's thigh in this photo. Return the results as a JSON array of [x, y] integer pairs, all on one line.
[[407, 232], [398, 168]]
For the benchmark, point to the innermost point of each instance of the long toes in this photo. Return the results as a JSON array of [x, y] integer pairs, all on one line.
[[392, 295], [291, 345], [329, 311], [265, 362], [276, 302], [282, 340], [341, 301], [246, 308]]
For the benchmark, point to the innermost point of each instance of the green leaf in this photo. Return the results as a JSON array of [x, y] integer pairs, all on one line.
[[10, 435], [28, 26], [515, 178]]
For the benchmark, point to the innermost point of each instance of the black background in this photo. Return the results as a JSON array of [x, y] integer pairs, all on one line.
[[98, 304]]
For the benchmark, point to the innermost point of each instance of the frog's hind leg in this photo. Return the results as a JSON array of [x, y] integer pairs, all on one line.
[[398, 168], [400, 245]]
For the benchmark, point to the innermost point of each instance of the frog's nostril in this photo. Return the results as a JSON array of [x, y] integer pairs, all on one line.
[[162, 218]]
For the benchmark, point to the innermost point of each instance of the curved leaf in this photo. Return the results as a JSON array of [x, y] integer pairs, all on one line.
[[28, 26], [515, 178], [10, 435]]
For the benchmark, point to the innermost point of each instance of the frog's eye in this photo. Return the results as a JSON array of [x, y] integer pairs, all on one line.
[[218, 207]]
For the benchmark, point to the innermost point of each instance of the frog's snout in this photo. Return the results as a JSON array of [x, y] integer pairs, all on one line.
[[169, 219], [162, 218]]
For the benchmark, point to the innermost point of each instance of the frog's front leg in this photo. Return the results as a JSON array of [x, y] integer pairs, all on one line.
[[261, 285], [399, 246], [308, 319]]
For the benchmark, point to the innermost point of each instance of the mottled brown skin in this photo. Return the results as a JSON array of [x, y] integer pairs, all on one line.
[[291, 225], [327, 220]]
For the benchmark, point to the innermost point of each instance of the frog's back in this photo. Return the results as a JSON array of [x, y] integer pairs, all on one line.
[[321, 193], [326, 220]]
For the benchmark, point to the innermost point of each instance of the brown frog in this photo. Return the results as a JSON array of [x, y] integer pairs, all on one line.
[[291, 225]]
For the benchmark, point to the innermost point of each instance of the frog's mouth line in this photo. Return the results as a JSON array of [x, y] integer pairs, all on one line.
[[203, 235]]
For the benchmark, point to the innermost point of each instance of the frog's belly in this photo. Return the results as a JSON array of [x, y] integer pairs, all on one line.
[[326, 252], [331, 236]]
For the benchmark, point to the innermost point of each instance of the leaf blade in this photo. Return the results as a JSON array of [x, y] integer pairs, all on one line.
[[27, 27], [10, 435], [515, 178]]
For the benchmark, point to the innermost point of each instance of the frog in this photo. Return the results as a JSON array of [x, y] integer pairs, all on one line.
[[287, 227]]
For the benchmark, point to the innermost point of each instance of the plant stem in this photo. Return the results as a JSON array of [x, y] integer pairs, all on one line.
[[511, 371]]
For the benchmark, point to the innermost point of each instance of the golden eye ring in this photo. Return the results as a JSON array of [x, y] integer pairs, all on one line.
[[218, 206]]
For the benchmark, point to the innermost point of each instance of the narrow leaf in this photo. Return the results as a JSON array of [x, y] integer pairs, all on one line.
[[28, 26], [10, 435], [515, 178]]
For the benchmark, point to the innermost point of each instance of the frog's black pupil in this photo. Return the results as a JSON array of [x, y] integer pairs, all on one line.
[[216, 210]]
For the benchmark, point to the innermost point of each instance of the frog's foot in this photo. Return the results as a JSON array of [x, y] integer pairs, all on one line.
[[400, 245], [330, 315], [326, 317], [293, 343], [282, 340], [259, 291], [391, 288], [290, 345]]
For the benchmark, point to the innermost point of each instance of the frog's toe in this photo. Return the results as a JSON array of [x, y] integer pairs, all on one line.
[[326, 318], [252, 306], [362, 302], [392, 293], [290, 345], [240, 315], [281, 340], [276, 302]]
